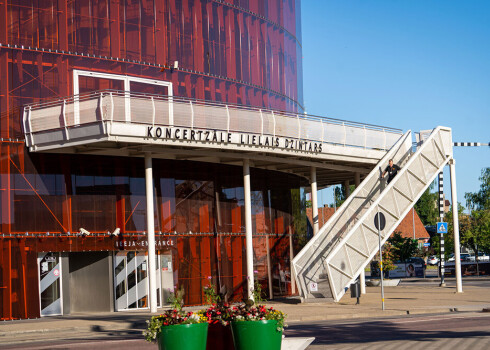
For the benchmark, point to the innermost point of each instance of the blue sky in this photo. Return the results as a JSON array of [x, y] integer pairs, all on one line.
[[411, 65]]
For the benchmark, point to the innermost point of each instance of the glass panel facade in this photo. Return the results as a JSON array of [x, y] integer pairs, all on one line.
[[199, 213]]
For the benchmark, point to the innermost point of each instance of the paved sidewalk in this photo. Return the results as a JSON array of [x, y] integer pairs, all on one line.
[[408, 298]]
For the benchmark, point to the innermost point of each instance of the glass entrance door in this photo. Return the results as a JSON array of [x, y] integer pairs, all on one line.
[[131, 280], [49, 268], [131, 284]]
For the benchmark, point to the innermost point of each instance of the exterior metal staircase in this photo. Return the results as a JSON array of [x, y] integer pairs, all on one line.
[[336, 255]]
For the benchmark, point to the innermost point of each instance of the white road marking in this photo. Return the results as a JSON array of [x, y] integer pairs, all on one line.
[[446, 317]]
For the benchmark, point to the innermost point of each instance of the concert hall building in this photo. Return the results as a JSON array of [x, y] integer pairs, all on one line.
[[187, 109]]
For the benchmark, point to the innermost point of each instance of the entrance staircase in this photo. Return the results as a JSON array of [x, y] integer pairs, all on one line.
[[341, 249]]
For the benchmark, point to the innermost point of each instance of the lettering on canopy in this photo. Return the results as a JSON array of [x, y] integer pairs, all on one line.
[[223, 137]]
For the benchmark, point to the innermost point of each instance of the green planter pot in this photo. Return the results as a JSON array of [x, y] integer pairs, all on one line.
[[183, 337], [256, 335]]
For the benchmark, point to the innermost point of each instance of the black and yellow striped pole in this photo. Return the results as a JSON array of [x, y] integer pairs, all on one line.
[[379, 223]]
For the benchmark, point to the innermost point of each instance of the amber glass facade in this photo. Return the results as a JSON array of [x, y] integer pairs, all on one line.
[[48, 198], [244, 52]]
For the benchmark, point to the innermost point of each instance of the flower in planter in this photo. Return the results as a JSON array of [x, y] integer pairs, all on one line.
[[250, 312], [170, 318], [218, 313], [174, 316]]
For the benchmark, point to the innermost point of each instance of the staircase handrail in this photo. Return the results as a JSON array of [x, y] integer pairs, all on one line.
[[375, 204], [345, 205]]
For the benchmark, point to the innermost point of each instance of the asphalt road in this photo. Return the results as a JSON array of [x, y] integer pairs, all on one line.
[[447, 331]]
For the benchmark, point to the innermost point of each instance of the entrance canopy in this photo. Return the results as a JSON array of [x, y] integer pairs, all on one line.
[[124, 123]]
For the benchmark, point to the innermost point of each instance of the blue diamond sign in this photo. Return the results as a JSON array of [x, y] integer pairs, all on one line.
[[442, 227]]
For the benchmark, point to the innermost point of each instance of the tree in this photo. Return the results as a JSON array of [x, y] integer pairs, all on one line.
[[426, 207], [481, 199], [475, 229], [402, 247], [299, 218], [476, 234], [388, 261], [340, 195]]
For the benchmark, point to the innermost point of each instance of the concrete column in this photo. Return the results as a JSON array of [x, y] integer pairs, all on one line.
[[357, 179], [314, 200], [248, 228], [362, 281], [454, 200], [150, 226], [347, 188]]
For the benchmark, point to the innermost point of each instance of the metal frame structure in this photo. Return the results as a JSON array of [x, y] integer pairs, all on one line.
[[349, 240]]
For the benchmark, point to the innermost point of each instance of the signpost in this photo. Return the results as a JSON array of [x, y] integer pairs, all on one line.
[[380, 223], [442, 229]]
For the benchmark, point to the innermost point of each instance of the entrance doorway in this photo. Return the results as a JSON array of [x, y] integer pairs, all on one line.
[[50, 297], [131, 284]]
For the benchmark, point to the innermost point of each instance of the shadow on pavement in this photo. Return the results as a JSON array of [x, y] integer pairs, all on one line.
[[366, 333]]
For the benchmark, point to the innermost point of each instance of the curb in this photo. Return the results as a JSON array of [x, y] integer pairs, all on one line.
[[84, 329], [381, 314]]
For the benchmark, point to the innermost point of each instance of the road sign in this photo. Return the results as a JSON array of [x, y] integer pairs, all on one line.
[[379, 220], [442, 227], [426, 244]]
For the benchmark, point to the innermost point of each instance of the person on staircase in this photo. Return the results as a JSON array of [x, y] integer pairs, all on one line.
[[392, 170]]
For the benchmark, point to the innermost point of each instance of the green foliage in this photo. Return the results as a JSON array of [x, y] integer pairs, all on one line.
[[480, 200], [402, 247], [176, 299], [476, 231], [170, 318], [250, 312], [210, 295], [427, 208], [388, 258], [257, 292], [299, 218], [340, 195], [475, 228]]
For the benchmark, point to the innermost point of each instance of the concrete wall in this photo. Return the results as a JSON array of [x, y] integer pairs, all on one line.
[[91, 282]]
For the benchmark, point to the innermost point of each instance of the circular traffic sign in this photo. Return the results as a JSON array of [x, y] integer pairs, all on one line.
[[380, 221]]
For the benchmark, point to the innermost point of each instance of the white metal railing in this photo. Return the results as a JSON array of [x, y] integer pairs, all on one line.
[[109, 106], [343, 248]]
